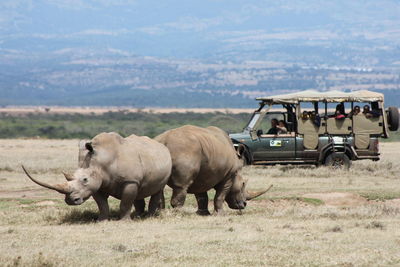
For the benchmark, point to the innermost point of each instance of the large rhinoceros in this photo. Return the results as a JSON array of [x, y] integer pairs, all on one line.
[[128, 169], [202, 159]]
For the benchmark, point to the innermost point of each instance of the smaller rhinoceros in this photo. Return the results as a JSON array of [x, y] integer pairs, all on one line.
[[128, 169]]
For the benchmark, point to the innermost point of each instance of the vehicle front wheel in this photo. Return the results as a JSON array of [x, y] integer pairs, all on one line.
[[244, 155], [245, 159], [338, 161]]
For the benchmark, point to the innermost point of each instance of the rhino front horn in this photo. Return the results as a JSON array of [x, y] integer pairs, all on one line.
[[250, 195], [61, 188]]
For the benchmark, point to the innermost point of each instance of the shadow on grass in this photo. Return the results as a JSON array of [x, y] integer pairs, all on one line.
[[91, 216], [285, 168], [85, 216]]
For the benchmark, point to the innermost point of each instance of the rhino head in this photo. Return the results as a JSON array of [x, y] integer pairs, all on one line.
[[238, 195], [78, 187]]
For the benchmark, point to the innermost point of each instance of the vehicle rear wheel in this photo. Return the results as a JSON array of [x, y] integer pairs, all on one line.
[[393, 118], [338, 161]]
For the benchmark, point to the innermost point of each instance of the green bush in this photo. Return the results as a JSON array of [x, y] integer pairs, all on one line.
[[67, 126]]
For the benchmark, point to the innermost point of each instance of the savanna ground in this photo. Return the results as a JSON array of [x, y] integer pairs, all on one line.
[[311, 217]]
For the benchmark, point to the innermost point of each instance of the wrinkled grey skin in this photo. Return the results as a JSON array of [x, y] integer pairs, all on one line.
[[129, 169], [202, 159]]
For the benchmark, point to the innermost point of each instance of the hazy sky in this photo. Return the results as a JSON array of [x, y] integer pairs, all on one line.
[[143, 26]]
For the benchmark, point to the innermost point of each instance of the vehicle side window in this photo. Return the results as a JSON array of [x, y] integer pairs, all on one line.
[[369, 110], [310, 118], [368, 120], [267, 125]]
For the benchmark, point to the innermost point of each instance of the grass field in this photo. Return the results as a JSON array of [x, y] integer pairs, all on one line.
[[311, 217], [77, 123]]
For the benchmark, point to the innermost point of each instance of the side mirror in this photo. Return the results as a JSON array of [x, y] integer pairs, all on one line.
[[259, 132]]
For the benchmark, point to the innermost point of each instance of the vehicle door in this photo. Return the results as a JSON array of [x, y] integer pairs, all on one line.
[[271, 147]]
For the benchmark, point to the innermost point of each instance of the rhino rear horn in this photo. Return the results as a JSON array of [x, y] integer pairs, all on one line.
[[68, 176], [251, 195], [61, 188]]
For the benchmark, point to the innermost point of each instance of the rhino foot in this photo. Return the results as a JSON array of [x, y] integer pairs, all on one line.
[[98, 220], [218, 213], [139, 215], [203, 212], [125, 218]]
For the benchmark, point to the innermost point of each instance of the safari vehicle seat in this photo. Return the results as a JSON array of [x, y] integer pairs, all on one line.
[[364, 127], [338, 126], [310, 131]]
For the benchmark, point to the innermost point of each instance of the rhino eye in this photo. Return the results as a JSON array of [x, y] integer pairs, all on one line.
[[85, 180]]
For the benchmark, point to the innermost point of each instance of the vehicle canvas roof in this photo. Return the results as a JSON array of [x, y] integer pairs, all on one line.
[[327, 96]]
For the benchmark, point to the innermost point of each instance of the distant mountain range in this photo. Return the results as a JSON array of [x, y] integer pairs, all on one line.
[[171, 53]]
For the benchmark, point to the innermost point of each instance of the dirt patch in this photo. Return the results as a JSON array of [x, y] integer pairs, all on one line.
[[339, 199], [32, 193], [18, 111], [393, 202], [281, 203]]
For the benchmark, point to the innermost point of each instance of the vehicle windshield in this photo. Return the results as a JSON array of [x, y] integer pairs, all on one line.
[[253, 121]]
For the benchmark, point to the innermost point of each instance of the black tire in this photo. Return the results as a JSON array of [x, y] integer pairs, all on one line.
[[244, 155], [245, 160], [393, 118], [338, 161]]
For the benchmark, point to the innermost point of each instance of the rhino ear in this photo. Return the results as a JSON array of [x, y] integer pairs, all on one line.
[[89, 146]]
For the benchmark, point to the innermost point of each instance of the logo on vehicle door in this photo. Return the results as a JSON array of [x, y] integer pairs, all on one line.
[[275, 143]]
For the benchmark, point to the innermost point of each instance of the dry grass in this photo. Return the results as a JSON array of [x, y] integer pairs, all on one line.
[[280, 229]]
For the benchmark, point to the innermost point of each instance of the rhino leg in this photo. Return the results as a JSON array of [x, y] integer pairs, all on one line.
[[102, 203], [162, 200], [221, 190], [129, 194], [139, 207], [154, 203], [178, 197], [202, 203]]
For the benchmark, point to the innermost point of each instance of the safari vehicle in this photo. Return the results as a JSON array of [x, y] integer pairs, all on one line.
[[317, 133]]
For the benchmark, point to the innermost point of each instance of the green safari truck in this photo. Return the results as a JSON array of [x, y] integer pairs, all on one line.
[[331, 128]]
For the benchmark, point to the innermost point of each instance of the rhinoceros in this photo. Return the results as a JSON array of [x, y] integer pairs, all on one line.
[[129, 169], [202, 159]]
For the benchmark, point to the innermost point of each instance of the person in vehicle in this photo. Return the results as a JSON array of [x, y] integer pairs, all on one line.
[[305, 115], [282, 127], [316, 119], [368, 113], [339, 115], [356, 110], [340, 108], [274, 128]]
